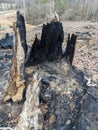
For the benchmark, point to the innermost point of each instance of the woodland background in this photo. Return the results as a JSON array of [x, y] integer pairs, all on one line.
[[38, 11]]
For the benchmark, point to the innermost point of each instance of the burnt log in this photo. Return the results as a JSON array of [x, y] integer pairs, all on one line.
[[70, 49], [22, 31], [49, 47]]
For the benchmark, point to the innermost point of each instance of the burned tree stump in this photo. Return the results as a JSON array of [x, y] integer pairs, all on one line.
[[49, 47], [70, 49], [22, 31]]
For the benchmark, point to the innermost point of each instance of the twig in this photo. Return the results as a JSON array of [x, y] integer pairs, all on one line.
[[5, 128]]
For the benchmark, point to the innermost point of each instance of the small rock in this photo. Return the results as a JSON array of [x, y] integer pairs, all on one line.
[[45, 81], [68, 122]]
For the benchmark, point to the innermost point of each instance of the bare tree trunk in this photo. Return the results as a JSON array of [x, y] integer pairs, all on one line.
[[24, 7], [53, 14], [83, 10]]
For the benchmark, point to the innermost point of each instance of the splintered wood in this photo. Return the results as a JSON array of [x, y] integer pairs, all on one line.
[[17, 82], [31, 116]]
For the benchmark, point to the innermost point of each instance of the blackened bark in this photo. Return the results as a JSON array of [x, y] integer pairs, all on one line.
[[70, 49], [7, 42], [22, 30], [49, 47], [34, 52]]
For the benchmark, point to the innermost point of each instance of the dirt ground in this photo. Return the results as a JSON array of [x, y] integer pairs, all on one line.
[[6, 23], [86, 54]]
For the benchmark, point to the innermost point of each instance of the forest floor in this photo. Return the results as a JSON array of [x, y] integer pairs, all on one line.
[[85, 61]]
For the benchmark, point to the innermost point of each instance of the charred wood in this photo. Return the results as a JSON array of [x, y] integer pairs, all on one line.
[[22, 31], [7, 42], [49, 47], [70, 49], [33, 54]]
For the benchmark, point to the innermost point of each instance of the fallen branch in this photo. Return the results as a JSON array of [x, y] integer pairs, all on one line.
[[31, 116]]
